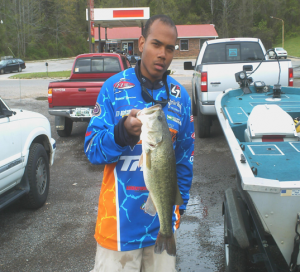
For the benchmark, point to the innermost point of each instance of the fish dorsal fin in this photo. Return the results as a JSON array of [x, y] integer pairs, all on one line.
[[149, 206], [178, 198]]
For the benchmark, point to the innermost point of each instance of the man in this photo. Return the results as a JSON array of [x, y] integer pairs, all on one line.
[[124, 232], [130, 49]]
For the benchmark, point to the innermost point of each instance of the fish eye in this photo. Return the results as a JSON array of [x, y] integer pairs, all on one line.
[[159, 117]]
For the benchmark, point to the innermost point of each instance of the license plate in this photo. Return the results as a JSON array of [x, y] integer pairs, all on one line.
[[82, 112]]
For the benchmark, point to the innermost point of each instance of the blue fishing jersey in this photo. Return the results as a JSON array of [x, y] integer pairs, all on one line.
[[122, 224]]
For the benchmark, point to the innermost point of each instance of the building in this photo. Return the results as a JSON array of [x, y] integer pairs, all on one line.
[[120, 29], [190, 39]]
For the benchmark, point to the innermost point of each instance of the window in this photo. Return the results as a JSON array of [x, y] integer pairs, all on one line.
[[97, 65], [124, 60], [232, 52], [184, 45]]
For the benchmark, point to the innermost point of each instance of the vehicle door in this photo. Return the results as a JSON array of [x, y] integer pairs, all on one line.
[[15, 65], [10, 66], [11, 168]]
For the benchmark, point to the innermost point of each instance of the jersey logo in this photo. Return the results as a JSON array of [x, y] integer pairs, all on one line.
[[97, 110], [175, 90], [131, 163], [123, 84]]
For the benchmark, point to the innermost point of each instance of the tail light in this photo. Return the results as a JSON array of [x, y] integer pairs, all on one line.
[[50, 96], [291, 77], [204, 82]]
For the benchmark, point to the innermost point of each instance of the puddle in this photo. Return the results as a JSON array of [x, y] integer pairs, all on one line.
[[199, 239], [191, 256], [196, 208]]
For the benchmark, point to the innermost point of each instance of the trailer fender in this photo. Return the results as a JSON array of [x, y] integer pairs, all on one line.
[[235, 223]]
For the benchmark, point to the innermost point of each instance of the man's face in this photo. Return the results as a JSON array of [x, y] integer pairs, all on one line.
[[157, 50]]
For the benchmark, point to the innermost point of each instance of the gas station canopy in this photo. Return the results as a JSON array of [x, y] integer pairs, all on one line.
[[120, 17]]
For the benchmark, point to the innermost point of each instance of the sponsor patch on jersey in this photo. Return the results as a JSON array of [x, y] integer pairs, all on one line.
[[173, 134], [123, 84], [175, 90], [97, 110], [177, 113], [174, 119], [192, 157], [136, 188], [192, 118], [88, 133], [193, 135], [122, 113], [174, 105]]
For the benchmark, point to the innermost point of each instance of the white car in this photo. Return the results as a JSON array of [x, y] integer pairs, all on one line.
[[279, 53], [26, 154]]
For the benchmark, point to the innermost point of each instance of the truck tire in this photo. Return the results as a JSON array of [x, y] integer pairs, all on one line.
[[38, 176], [203, 124], [66, 132], [235, 257]]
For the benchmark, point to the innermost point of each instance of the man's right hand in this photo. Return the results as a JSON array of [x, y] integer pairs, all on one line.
[[132, 124]]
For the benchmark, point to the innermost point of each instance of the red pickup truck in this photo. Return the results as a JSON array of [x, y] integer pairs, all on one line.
[[73, 100]]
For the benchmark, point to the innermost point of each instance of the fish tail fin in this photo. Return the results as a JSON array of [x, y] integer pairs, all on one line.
[[165, 243]]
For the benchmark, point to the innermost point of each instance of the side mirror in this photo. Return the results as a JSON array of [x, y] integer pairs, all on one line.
[[187, 65]]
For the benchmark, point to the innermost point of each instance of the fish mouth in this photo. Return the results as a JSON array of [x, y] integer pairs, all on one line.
[[150, 110]]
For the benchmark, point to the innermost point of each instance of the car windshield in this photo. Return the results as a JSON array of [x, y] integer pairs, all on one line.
[[279, 49], [2, 62]]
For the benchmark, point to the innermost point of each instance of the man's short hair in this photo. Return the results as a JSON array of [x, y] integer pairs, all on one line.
[[163, 18]]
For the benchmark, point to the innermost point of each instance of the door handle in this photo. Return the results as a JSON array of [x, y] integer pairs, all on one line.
[[81, 89], [215, 83]]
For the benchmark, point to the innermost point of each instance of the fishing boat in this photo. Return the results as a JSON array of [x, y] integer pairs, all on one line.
[[262, 214]]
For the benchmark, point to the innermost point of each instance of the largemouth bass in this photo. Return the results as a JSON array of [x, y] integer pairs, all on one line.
[[159, 170]]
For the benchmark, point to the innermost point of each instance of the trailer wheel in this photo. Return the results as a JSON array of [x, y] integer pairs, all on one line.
[[235, 257], [203, 124], [67, 130]]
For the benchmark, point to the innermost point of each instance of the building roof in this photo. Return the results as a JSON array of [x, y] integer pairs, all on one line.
[[133, 33]]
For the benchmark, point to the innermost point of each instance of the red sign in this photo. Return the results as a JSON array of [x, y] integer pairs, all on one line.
[[128, 13]]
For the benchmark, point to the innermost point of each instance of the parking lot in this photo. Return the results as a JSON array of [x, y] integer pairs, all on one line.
[[59, 236]]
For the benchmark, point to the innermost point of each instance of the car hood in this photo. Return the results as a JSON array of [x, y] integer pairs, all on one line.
[[24, 114]]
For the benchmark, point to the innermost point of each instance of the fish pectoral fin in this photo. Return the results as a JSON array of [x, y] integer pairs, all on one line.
[[178, 198], [141, 160], [150, 207]]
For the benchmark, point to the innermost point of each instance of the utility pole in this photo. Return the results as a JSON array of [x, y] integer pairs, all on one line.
[[282, 29]]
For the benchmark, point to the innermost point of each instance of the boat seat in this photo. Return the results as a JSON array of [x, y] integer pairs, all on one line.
[[270, 123]]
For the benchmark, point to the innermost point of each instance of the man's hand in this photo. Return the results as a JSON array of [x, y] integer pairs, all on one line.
[[132, 124]]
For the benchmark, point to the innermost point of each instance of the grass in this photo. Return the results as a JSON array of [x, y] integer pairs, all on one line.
[[291, 45], [61, 74]]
